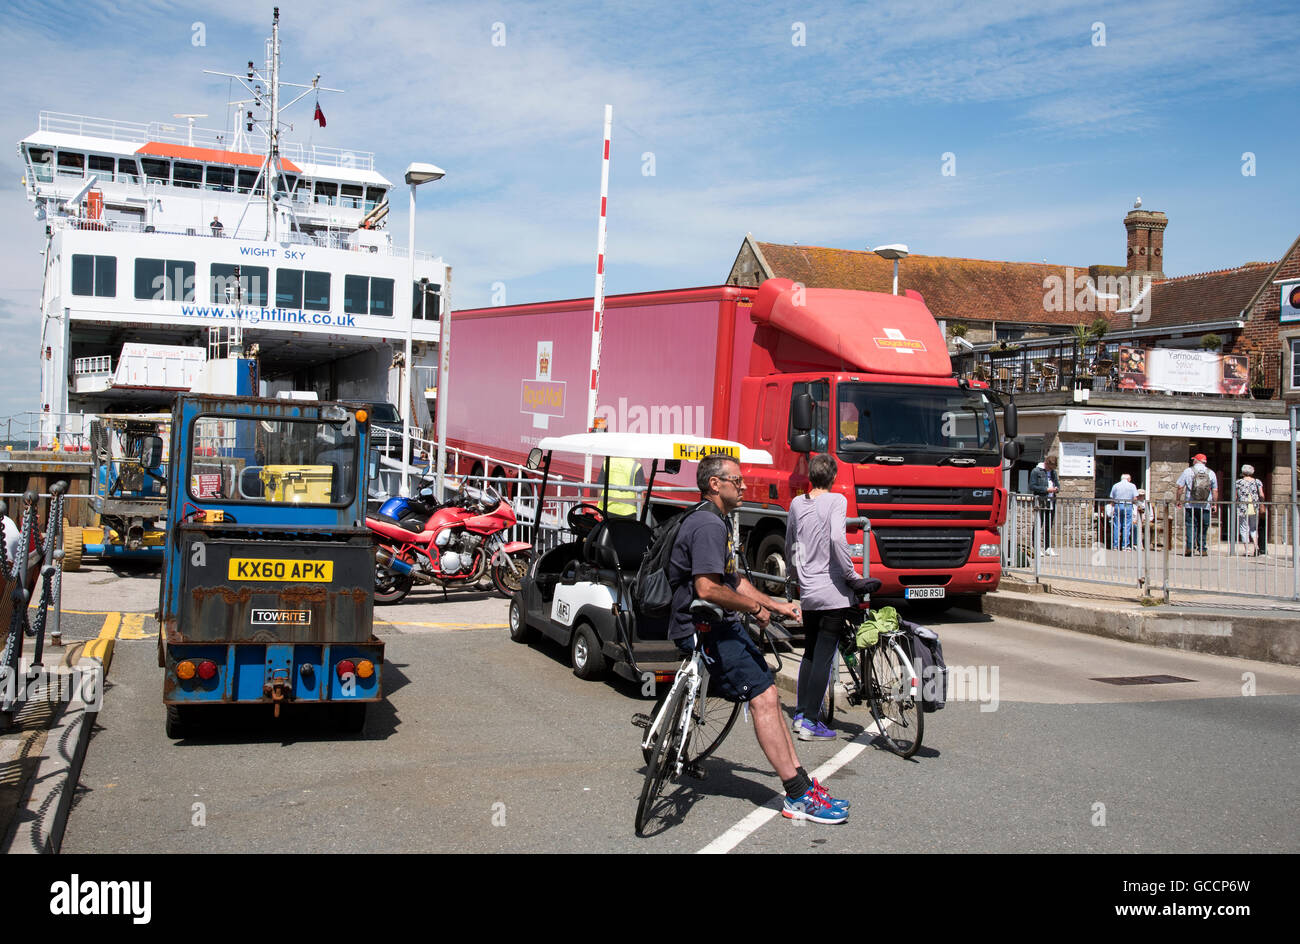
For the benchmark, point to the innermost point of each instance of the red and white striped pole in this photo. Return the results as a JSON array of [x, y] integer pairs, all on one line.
[[598, 298]]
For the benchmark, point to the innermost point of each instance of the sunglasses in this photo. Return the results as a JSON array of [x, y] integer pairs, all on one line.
[[736, 480]]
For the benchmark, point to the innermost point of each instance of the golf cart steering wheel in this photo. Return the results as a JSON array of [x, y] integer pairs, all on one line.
[[584, 518]]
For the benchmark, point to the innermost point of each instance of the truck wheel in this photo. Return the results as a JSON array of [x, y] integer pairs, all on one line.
[[179, 720], [585, 653], [770, 559], [348, 717], [71, 548], [520, 631]]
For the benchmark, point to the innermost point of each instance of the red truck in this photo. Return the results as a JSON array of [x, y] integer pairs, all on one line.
[[783, 368]]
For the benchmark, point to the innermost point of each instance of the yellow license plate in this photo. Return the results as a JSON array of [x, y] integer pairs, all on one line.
[[690, 452], [242, 568]]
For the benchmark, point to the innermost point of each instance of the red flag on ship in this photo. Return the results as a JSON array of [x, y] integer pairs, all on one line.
[[319, 116]]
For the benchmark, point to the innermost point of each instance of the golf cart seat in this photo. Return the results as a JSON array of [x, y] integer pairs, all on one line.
[[616, 545]]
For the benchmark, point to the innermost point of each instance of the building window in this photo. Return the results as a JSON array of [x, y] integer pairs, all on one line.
[[243, 285], [425, 309], [94, 275], [164, 280], [1009, 334], [295, 288], [363, 295], [1295, 363]]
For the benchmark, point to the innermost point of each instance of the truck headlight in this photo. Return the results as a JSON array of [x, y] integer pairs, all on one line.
[[990, 550]]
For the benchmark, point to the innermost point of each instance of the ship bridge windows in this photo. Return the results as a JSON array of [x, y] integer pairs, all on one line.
[[425, 309], [164, 280], [94, 276], [128, 172], [42, 163], [351, 196], [221, 179], [156, 171], [72, 164], [374, 197], [250, 181], [295, 288], [240, 284], [185, 174], [363, 295], [103, 167], [327, 192]]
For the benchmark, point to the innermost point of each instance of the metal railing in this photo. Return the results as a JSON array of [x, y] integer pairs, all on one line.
[[167, 133], [1157, 546]]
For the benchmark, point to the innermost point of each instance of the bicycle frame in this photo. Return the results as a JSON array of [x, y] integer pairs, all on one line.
[[693, 673]]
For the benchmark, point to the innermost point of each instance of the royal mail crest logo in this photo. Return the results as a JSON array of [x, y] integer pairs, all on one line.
[[895, 340]]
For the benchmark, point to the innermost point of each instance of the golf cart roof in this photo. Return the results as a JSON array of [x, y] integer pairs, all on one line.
[[652, 446]]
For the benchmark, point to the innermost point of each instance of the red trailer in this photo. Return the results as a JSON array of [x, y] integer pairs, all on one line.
[[783, 368]]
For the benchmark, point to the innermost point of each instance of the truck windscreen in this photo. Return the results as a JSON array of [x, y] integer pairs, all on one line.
[[280, 461], [934, 421]]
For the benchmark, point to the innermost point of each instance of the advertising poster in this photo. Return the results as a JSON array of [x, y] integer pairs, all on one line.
[[1183, 371]]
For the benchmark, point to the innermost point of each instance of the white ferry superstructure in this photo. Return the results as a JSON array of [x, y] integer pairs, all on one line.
[[162, 235]]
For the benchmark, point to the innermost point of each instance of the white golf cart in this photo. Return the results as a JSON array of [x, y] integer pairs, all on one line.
[[579, 593]]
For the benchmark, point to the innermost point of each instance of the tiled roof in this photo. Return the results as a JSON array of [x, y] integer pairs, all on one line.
[[1201, 298], [981, 290]]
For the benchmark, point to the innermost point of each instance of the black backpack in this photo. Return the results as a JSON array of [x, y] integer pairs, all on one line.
[[651, 593]]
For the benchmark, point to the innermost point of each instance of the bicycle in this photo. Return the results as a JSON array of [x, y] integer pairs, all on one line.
[[885, 677], [685, 716]]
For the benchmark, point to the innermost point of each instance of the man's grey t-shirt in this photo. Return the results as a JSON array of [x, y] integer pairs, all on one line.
[[703, 546]]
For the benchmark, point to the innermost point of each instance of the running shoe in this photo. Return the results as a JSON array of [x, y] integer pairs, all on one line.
[[797, 722], [814, 731], [812, 807], [825, 795]]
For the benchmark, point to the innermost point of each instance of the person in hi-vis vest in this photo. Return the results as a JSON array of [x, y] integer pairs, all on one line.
[[622, 471]]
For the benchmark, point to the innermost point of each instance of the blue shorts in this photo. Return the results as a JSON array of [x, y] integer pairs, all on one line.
[[737, 670]]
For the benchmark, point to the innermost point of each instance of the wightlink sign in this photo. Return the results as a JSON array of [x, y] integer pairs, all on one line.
[[1176, 425]]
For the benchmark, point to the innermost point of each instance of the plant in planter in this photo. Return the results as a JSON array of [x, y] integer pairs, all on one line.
[[958, 330], [1257, 388], [1211, 342]]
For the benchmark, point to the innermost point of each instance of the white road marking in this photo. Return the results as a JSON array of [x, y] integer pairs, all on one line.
[[751, 823]]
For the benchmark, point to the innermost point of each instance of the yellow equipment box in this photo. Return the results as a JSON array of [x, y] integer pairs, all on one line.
[[309, 484]]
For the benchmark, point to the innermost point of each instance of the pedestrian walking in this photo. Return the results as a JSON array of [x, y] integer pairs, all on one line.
[[1044, 484], [818, 552], [1123, 493], [1199, 488], [1248, 492]]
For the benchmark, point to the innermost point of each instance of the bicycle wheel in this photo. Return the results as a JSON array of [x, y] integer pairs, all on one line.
[[662, 755], [896, 710], [713, 717]]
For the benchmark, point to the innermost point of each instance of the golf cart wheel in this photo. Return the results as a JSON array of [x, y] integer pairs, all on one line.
[[520, 631], [585, 653]]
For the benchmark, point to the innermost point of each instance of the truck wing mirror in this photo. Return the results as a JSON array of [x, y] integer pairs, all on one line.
[[1009, 423], [151, 454], [672, 466], [801, 442], [801, 413], [1012, 449], [534, 460]]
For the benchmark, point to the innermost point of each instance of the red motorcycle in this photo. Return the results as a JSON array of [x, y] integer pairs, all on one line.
[[458, 544]]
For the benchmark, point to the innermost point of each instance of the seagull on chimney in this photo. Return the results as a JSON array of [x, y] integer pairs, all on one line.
[[1137, 204]]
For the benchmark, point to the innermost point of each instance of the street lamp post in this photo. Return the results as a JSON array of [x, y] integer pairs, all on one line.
[[416, 174], [893, 251]]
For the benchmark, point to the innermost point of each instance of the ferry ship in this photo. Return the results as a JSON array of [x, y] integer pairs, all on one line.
[[172, 251]]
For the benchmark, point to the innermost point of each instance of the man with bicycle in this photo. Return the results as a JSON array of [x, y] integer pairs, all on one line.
[[703, 566]]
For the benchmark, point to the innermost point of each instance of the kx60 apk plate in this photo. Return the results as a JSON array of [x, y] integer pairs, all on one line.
[[303, 571]]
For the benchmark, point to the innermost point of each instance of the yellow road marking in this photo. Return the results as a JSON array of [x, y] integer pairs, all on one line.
[[111, 623], [101, 648], [444, 625], [133, 627]]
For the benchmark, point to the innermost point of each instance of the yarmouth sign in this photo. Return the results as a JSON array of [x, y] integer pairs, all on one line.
[[1178, 425]]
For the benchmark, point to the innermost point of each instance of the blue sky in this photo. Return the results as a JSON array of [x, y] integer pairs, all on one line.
[[837, 142]]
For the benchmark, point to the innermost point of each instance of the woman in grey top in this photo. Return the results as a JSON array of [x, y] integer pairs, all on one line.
[[818, 553]]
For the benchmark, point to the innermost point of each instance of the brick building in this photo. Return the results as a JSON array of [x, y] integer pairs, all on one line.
[[1024, 329]]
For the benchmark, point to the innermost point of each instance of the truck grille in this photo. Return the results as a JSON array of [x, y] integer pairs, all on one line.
[[908, 548], [923, 495]]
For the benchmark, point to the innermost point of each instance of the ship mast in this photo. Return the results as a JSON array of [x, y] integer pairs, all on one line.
[[272, 164]]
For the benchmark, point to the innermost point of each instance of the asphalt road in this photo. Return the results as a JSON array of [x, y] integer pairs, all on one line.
[[486, 745]]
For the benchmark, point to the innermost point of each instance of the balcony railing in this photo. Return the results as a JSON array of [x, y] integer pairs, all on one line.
[[1044, 367]]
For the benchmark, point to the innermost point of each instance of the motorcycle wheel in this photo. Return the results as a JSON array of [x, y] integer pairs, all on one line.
[[391, 588], [509, 583]]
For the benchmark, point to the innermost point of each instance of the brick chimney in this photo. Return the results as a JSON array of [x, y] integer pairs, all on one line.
[[1146, 241]]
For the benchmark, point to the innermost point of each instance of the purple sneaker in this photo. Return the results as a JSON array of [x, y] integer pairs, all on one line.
[[810, 730]]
